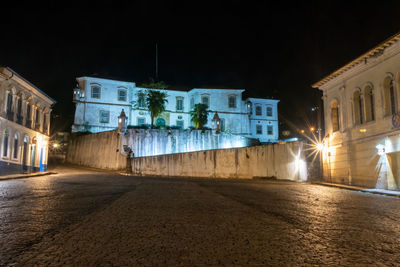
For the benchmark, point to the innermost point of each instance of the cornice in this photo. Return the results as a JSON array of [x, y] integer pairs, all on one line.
[[373, 57]]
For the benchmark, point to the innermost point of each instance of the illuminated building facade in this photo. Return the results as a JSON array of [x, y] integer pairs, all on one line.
[[24, 124], [99, 102], [362, 119]]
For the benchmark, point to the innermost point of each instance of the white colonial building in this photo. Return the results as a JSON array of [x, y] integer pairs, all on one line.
[[362, 119], [24, 124], [99, 102]]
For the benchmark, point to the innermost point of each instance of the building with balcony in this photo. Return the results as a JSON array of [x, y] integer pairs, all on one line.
[[99, 102], [24, 124], [362, 119]]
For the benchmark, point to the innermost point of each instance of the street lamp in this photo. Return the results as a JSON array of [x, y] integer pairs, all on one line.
[[122, 122]]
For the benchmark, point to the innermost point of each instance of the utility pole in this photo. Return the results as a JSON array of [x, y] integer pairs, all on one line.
[[156, 62]]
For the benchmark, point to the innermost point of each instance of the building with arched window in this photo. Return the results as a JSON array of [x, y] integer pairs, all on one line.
[[362, 119], [98, 103], [24, 124]]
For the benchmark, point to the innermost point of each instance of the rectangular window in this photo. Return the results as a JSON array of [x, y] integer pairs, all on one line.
[[192, 103], [9, 102], [19, 111], [205, 100], [259, 129], [15, 154], [19, 108], [122, 95], [37, 116], [270, 130], [232, 101], [10, 113], [222, 125], [141, 101], [258, 111], [44, 124], [179, 104], [95, 92], [269, 111], [104, 116], [141, 121], [179, 124], [28, 116], [5, 145]]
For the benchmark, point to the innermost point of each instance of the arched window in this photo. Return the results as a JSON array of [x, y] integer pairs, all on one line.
[[358, 107], [5, 144], [389, 93], [369, 104], [15, 151], [335, 116]]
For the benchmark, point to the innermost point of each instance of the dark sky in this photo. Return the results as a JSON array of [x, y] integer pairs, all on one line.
[[270, 48]]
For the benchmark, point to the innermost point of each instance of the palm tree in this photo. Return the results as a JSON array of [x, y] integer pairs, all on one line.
[[152, 84], [199, 115], [155, 101]]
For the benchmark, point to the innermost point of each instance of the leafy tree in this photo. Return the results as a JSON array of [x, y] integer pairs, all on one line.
[[154, 84], [155, 101], [199, 115]]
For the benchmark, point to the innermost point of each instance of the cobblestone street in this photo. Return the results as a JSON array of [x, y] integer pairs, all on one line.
[[83, 217]]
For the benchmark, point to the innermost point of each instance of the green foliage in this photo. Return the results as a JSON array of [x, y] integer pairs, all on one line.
[[86, 127], [199, 115], [154, 84], [155, 101]]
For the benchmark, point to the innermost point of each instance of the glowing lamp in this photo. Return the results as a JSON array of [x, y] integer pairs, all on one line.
[[216, 122], [56, 145], [320, 146], [381, 149], [312, 129], [122, 118]]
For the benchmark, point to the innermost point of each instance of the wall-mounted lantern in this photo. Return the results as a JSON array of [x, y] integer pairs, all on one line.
[[122, 118], [216, 122]]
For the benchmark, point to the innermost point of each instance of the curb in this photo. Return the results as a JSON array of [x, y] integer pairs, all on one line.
[[359, 189], [3, 178]]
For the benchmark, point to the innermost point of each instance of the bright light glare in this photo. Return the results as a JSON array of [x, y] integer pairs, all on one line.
[[381, 149], [56, 145], [320, 146]]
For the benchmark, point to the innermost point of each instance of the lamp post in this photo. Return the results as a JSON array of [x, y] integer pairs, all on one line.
[[317, 108], [122, 122], [216, 121]]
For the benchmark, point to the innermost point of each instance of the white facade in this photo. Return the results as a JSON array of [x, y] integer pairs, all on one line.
[[99, 102], [362, 119], [24, 124], [263, 119]]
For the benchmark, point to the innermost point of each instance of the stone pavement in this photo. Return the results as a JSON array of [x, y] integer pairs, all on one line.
[[205, 222]]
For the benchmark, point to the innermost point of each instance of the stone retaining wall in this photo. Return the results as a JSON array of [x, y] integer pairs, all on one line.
[[282, 161]]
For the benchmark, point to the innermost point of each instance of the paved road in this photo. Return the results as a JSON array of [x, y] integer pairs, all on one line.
[[81, 217]]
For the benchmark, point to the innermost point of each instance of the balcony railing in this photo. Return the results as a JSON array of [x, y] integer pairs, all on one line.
[[10, 115], [20, 119], [37, 127], [28, 124]]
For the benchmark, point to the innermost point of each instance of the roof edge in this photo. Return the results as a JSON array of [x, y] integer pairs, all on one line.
[[372, 52]]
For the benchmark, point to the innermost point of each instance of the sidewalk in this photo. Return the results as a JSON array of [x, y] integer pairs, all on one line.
[[25, 175], [362, 189]]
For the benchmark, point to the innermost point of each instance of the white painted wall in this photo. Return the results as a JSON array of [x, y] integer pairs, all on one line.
[[236, 118]]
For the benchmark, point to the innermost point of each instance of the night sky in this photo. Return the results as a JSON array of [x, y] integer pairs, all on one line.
[[270, 49]]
